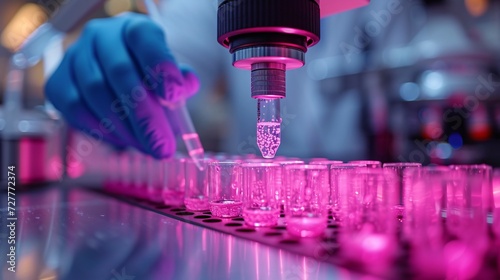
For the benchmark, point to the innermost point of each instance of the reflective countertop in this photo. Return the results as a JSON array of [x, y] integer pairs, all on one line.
[[75, 233]]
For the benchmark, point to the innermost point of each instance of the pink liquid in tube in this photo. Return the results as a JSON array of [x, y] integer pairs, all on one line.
[[196, 203], [226, 208], [261, 217], [306, 226], [173, 197], [268, 138]]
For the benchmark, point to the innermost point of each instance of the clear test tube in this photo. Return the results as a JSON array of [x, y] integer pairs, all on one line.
[[281, 191], [155, 180], [174, 181], [328, 163], [196, 197], [305, 207], [402, 182], [367, 232], [225, 188], [425, 202], [339, 174], [368, 163], [260, 205], [469, 203]]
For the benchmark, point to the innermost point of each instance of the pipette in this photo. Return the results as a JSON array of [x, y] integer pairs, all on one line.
[[177, 112]]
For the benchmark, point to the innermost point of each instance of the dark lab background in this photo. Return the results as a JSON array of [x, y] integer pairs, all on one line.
[[433, 100]]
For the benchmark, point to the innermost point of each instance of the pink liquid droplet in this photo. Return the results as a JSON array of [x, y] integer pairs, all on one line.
[[172, 197], [306, 226], [261, 217], [196, 203], [268, 138], [226, 208]]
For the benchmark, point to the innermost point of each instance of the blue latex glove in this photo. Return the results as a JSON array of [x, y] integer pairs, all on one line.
[[110, 82]]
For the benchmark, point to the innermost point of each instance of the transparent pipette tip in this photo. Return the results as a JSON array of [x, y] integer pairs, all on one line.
[[178, 114], [194, 148]]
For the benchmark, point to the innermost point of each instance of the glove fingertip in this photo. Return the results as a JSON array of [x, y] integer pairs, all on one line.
[[163, 149], [191, 82]]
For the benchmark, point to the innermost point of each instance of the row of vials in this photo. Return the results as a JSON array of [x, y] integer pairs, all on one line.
[[446, 214]]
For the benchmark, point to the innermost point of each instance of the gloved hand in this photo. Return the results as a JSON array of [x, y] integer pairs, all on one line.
[[111, 81]]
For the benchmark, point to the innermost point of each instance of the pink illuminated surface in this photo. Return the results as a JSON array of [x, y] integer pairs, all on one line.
[[226, 208], [373, 250], [261, 217], [306, 226], [196, 203], [268, 138]]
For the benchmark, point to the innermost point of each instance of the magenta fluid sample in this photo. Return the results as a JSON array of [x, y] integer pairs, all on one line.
[[261, 217], [268, 126], [306, 226], [372, 250], [366, 203], [225, 188], [260, 193], [469, 202], [306, 199], [425, 209], [196, 203], [226, 208], [268, 138], [173, 197], [425, 205]]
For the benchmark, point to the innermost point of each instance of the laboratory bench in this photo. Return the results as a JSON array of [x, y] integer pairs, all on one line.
[[68, 232]]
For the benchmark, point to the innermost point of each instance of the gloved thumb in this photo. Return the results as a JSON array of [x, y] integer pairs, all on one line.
[[191, 81]]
